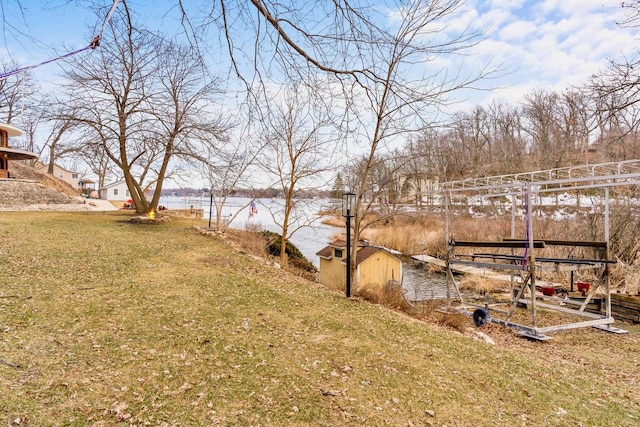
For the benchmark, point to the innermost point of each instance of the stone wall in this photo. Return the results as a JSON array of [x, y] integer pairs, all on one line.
[[23, 192]]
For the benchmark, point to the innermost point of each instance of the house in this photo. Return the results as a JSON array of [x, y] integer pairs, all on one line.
[[7, 153], [415, 187], [70, 177], [375, 266], [116, 191]]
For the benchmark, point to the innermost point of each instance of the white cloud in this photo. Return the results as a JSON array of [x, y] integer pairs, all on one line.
[[547, 44]]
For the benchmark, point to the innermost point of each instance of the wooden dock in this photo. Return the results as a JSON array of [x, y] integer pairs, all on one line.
[[623, 307], [462, 268]]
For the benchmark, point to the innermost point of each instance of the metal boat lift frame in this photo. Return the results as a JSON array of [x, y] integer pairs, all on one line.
[[597, 176]]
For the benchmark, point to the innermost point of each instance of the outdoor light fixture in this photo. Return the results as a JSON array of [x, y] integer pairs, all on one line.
[[348, 211]]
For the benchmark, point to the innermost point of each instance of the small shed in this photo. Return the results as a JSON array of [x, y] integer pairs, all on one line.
[[375, 266], [86, 186]]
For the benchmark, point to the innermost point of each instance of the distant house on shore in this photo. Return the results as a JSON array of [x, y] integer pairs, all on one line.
[[375, 266], [417, 188], [116, 191], [70, 177]]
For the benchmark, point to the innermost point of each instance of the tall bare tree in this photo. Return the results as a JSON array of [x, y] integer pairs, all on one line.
[[228, 168], [397, 101], [299, 146], [17, 93], [146, 101]]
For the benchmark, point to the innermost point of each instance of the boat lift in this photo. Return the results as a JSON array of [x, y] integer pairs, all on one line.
[[521, 262]]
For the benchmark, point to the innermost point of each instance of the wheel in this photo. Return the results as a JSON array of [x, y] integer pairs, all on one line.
[[481, 317]]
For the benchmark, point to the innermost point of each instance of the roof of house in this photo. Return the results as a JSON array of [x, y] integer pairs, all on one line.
[[364, 253], [11, 130], [114, 184], [325, 252], [41, 165]]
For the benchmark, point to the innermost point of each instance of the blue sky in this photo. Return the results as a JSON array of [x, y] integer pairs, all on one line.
[[544, 44]]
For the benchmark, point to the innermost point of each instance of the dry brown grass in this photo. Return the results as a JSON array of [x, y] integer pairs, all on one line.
[[18, 170], [412, 235], [108, 323], [482, 285], [434, 311], [431, 311], [407, 234], [333, 221], [391, 296], [248, 242]]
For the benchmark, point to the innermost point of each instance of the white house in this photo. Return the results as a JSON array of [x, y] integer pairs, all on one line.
[[116, 191]]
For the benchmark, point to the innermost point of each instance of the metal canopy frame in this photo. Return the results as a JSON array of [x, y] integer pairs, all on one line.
[[525, 185]]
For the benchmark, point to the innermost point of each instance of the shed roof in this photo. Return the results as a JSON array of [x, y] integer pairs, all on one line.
[[364, 253], [325, 252]]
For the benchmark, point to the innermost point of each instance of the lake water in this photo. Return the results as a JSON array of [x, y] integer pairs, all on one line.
[[310, 237]]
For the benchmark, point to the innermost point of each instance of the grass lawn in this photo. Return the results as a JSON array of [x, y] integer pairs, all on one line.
[[104, 322]]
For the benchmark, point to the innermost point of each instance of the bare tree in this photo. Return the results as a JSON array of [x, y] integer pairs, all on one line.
[[96, 158], [227, 168], [558, 125], [399, 102], [181, 106], [17, 93], [510, 144], [298, 150], [146, 101]]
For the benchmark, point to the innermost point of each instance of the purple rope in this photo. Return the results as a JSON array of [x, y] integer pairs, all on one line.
[[526, 228], [94, 43]]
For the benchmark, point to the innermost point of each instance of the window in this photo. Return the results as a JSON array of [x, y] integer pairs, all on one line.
[[115, 191], [74, 175], [337, 253], [61, 175], [127, 193]]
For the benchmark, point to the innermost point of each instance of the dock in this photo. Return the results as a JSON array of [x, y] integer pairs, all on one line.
[[461, 267], [623, 307]]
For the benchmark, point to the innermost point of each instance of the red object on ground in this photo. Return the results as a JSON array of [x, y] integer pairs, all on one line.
[[548, 291], [583, 287]]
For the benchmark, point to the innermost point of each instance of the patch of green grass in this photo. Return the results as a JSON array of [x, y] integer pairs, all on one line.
[[114, 323]]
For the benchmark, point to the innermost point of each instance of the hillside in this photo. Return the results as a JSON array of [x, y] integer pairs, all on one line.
[[105, 322], [26, 172], [29, 186]]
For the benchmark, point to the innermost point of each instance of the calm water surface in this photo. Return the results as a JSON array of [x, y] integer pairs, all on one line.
[[309, 238]]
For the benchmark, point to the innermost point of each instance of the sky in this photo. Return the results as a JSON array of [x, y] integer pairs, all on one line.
[[543, 44], [538, 45], [546, 44]]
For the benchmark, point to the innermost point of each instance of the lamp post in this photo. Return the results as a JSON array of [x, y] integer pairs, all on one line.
[[210, 206], [348, 205]]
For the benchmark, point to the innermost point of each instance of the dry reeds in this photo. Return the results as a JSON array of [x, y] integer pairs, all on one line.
[[391, 296], [333, 221], [432, 311], [481, 284], [249, 242]]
